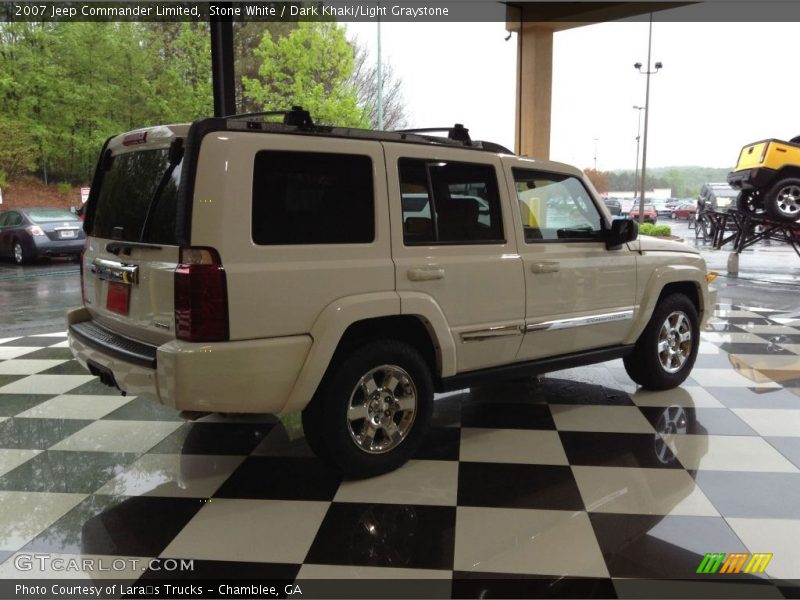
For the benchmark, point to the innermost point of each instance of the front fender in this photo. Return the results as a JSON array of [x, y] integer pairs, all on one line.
[[662, 276]]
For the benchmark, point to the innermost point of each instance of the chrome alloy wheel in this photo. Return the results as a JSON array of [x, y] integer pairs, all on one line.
[[788, 201], [18, 255], [381, 409], [675, 342]]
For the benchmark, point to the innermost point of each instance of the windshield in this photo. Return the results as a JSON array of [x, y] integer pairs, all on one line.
[[48, 215], [126, 192]]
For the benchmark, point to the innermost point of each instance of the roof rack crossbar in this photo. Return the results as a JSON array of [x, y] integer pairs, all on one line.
[[457, 132], [296, 116]]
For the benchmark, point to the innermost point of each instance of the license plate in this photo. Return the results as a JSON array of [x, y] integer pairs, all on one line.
[[68, 233], [118, 298]]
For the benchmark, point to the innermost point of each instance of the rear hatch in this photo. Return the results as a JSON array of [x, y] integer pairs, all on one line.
[[752, 156], [132, 249]]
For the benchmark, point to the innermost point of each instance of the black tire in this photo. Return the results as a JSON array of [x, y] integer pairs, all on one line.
[[18, 253], [644, 365], [326, 423], [782, 201], [750, 202]]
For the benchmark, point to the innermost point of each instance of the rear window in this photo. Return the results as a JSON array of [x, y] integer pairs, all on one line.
[[48, 215], [126, 193], [312, 198]]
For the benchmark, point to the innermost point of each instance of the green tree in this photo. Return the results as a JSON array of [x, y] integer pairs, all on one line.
[[310, 67]]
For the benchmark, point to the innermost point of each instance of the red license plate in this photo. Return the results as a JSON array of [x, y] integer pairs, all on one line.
[[118, 298]]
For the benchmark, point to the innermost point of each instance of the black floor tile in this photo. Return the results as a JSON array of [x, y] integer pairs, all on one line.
[[447, 410], [734, 587], [6, 379], [766, 348], [49, 354], [37, 433], [565, 391], [281, 478], [94, 388], [214, 438], [518, 486], [70, 367], [30, 342], [440, 443], [386, 535], [701, 421], [13, 404], [754, 495], [617, 449], [749, 321], [652, 546], [776, 338], [233, 572], [506, 415], [116, 525], [788, 446], [501, 585], [66, 471], [144, 409]]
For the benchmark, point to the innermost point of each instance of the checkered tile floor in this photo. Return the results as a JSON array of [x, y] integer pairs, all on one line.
[[579, 485]]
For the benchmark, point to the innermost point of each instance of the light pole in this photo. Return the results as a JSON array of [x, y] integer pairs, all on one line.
[[638, 137], [379, 75], [647, 72], [595, 153]]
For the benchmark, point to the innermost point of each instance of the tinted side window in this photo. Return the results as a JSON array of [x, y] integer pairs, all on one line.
[[312, 198], [556, 207], [13, 219], [449, 202]]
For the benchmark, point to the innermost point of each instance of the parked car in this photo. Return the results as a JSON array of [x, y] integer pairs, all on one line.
[[650, 214], [242, 266], [613, 205], [27, 234], [684, 211], [662, 208], [768, 177]]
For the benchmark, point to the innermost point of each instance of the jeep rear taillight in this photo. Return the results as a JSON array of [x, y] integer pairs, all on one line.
[[201, 296]]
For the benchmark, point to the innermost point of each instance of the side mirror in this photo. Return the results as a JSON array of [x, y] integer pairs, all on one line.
[[621, 232]]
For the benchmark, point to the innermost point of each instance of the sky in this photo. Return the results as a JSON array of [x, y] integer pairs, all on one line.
[[723, 85]]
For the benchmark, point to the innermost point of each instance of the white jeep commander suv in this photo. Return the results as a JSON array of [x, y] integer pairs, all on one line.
[[239, 265]]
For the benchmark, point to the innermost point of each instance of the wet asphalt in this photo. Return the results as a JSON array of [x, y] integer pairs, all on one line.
[[35, 298]]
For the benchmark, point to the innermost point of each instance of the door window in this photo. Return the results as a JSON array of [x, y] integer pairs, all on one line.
[[556, 207], [449, 203]]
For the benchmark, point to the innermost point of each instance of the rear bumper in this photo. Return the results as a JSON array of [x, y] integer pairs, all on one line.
[[44, 246], [252, 376], [748, 179]]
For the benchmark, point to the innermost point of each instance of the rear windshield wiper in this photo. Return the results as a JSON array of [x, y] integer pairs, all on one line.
[[175, 157]]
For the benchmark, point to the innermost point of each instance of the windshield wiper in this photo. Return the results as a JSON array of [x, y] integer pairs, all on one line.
[[175, 157]]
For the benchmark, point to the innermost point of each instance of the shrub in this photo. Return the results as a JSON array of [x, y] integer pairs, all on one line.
[[662, 231], [64, 188], [646, 228]]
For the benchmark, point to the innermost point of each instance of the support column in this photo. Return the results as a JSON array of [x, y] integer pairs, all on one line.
[[534, 90], [222, 64]]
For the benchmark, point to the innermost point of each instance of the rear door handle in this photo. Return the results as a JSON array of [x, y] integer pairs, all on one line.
[[547, 266], [425, 274]]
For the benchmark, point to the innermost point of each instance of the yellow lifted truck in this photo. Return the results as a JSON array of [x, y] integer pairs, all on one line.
[[768, 175]]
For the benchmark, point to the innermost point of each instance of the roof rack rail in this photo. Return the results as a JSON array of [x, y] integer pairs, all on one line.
[[297, 116], [457, 132]]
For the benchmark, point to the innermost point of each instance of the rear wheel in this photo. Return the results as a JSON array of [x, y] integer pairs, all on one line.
[[18, 253], [782, 201], [667, 349], [750, 202], [372, 412]]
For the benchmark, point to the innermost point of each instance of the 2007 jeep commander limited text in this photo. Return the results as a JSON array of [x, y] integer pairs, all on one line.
[[237, 265]]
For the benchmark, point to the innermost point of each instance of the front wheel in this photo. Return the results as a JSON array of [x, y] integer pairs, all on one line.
[[373, 410], [667, 349], [782, 201], [19, 254], [749, 202]]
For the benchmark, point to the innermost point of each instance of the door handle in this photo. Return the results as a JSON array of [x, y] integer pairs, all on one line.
[[425, 274], [547, 266]]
